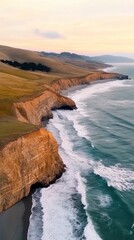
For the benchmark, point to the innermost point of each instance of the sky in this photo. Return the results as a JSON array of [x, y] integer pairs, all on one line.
[[90, 27]]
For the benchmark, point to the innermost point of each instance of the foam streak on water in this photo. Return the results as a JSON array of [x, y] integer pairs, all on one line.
[[89, 231], [34, 232], [60, 219], [97, 88], [119, 178]]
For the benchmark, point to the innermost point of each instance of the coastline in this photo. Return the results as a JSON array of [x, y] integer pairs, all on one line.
[[97, 123], [19, 214]]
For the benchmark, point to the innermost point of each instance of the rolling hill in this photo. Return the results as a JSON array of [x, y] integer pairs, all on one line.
[[17, 84], [96, 59]]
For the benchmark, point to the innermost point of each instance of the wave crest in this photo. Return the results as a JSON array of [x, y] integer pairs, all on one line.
[[120, 178]]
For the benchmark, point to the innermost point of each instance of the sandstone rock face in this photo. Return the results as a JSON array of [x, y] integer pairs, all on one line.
[[34, 157], [30, 159], [63, 84], [33, 111]]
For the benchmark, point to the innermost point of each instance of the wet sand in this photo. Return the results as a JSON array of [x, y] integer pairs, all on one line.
[[14, 222]]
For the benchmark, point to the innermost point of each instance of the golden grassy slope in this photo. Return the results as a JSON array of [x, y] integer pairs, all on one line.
[[16, 84], [11, 128], [58, 66]]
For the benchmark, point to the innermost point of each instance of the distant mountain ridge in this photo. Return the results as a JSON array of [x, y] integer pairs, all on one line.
[[112, 59], [76, 60], [72, 56], [101, 58]]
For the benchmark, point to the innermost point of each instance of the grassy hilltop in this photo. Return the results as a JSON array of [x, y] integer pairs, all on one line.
[[17, 84]]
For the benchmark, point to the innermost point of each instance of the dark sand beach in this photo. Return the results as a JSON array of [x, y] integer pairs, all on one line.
[[14, 222]]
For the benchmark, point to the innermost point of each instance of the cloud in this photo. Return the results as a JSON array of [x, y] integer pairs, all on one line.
[[49, 34]]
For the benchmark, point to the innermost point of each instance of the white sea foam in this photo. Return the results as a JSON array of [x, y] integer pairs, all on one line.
[[75, 118], [117, 177], [89, 231], [60, 217], [97, 88], [105, 200], [110, 69], [125, 102], [81, 188], [80, 129], [72, 159], [34, 232]]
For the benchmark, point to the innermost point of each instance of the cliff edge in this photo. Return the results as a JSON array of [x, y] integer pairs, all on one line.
[[30, 159], [35, 110], [34, 158], [40, 108]]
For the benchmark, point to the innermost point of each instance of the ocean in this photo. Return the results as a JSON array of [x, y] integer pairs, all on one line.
[[94, 198]]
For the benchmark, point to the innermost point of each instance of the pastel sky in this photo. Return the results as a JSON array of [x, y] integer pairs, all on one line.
[[83, 26]]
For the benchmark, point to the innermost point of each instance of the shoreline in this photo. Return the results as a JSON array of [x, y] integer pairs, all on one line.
[[19, 214], [27, 213], [82, 86], [17, 217]]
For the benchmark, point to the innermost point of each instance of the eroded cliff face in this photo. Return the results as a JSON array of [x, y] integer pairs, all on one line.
[[30, 159], [63, 84], [34, 157], [33, 111]]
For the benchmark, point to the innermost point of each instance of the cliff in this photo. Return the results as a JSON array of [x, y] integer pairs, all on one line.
[[30, 159], [63, 84], [34, 158], [39, 108], [34, 111]]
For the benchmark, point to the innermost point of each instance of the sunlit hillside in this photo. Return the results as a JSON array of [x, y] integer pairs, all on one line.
[[17, 84]]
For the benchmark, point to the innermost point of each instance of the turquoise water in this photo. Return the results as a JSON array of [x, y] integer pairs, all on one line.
[[94, 198]]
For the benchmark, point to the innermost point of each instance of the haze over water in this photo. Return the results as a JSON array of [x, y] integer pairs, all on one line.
[[94, 197]]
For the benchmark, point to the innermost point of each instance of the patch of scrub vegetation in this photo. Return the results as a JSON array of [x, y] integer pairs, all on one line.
[[29, 66]]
